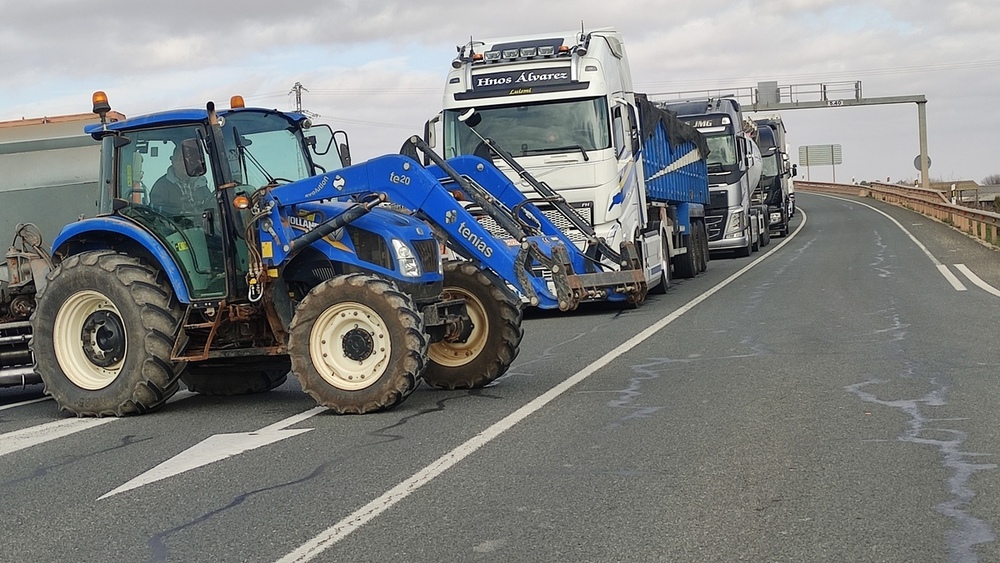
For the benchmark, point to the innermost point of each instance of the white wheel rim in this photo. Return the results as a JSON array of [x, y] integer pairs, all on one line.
[[69, 338], [457, 354], [335, 329]]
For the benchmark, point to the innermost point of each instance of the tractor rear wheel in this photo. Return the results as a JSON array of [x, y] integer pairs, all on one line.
[[357, 344], [241, 376], [103, 333], [495, 338]]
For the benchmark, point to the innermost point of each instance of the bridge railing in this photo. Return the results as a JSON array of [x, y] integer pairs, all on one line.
[[976, 223]]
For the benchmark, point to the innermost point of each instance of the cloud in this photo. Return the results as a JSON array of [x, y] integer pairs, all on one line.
[[376, 69]]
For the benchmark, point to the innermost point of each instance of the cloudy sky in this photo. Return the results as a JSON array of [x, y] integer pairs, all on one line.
[[376, 68]]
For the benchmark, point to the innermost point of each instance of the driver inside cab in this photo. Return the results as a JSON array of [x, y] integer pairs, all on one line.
[[179, 195]]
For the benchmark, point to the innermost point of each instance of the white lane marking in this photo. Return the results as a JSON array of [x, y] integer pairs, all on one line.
[[977, 280], [952, 278], [365, 514], [22, 403], [42, 433], [217, 448], [35, 435], [954, 281]]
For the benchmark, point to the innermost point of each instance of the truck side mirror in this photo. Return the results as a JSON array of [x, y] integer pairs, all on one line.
[[795, 170]]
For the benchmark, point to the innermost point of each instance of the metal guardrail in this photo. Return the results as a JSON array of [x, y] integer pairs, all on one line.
[[976, 223]]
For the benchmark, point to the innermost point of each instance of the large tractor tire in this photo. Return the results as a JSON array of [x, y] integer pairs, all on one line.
[[496, 333], [357, 344], [238, 376], [103, 333]]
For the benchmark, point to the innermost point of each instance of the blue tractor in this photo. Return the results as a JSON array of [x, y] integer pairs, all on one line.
[[238, 266]]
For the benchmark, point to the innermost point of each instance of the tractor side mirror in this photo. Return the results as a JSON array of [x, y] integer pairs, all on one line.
[[194, 160]]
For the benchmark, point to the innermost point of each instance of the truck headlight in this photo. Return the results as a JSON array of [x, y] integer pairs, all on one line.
[[409, 266], [736, 224]]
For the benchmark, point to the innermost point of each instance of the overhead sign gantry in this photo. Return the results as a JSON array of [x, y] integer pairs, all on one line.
[[769, 96]]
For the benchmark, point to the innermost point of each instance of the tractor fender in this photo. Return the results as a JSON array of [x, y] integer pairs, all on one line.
[[110, 232]]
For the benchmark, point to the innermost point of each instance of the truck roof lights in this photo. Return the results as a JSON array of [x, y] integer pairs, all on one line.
[[514, 53], [236, 102]]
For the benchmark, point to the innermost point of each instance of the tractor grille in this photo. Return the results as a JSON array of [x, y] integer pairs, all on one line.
[[371, 247], [428, 254]]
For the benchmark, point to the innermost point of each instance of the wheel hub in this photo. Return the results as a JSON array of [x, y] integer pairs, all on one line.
[[103, 338], [358, 344]]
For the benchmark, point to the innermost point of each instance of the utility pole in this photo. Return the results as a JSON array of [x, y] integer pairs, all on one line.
[[297, 90]]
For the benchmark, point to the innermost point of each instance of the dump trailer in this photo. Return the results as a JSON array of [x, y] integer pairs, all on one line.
[[735, 222], [562, 105], [49, 178], [48, 165], [151, 292]]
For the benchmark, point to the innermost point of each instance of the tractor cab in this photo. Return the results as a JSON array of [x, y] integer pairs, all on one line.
[[185, 177]]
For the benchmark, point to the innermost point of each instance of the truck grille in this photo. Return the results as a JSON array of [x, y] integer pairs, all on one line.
[[714, 223], [585, 211]]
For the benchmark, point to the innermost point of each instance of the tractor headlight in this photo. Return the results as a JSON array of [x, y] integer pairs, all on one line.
[[409, 266]]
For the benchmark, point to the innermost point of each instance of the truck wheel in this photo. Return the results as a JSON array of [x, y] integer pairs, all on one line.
[[237, 376], [685, 264], [749, 248], [496, 333], [703, 245], [765, 236], [103, 333], [664, 283], [357, 344], [696, 247]]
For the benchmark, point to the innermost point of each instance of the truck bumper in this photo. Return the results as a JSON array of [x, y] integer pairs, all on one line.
[[728, 244]]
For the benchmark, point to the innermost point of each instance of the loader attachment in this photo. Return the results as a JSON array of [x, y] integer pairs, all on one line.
[[575, 275]]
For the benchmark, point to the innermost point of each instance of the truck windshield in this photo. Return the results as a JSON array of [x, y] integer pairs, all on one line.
[[770, 166], [722, 151], [265, 146], [542, 127]]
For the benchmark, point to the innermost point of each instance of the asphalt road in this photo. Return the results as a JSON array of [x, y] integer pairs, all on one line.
[[830, 398]]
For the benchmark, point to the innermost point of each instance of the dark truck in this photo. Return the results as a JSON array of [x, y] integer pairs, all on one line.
[[775, 180]]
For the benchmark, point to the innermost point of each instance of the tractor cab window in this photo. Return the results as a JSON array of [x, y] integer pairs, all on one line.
[[175, 201], [265, 148]]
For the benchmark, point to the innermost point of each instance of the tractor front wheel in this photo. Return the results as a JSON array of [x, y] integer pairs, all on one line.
[[493, 342], [357, 344]]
